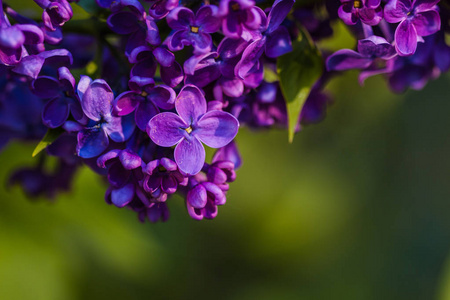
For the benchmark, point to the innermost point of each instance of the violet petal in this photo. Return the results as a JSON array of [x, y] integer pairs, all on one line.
[[190, 156], [217, 128], [166, 129]]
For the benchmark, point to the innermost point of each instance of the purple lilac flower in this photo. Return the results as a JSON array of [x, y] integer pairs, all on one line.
[[204, 69], [13, 38], [190, 127], [146, 61], [160, 8], [162, 178], [124, 172], [154, 212], [229, 152], [63, 99], [265, 108], [15, 121], [36, 181], [274, 40], [144, 98], [369, 50], [32, 65], [193, 30], [220, 173], [368, 11], [203, 198], [56, 13], [129, 18], [96, 100], [418, 18], [413, 71], [239, 16]]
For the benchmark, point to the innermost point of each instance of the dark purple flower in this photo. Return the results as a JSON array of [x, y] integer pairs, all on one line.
[[162, 178], [63, 99], [32, 65], [125, 169], [146, 61], [413, 71], [56, 13], [265, 108], [204, 69], [369, 50], [368, 11], [190, 127], [20, 110], [96, 100], [160, 8], [13, 38], [417, 18], [154, 213], [229, 152], [129, 18], [144, 98], [273, 40], [220, 173], [202, 200], [36, 181], [193, 30], [239, 16]]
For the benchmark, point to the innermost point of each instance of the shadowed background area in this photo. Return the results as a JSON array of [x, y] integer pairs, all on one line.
[[356, 208]]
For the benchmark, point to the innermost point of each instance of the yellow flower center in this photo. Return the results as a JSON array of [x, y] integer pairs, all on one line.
[[357, 4], [194, 29], [235, 6], [144, 94], [189, 129]]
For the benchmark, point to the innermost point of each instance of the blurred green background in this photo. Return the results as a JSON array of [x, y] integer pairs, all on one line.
[[356, 208]]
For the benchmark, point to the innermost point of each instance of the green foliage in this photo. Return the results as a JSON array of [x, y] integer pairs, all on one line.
[[47, 140], [298, 71]]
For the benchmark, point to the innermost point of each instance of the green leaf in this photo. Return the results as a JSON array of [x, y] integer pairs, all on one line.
[[298, 71], [47, 140]]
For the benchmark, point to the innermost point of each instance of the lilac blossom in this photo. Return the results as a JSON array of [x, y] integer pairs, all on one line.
[[146, 60], [124, 172], [155, 212], [56, 13], [33, 65], [368, 11], [62, 96], [239, 16], [160, 8], [96, 100], [273, 39], [129, 18], [14, 38], [190, 127], [369, 50], [144, 99], [162, 178], [204, 69], [193, 30], [203, 198], [418, 18]]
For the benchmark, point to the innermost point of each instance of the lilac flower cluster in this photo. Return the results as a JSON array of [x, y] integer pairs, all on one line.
[[138, 89], [400, 38]]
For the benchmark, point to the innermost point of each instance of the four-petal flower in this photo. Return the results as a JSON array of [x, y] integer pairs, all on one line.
[[190, 127]]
